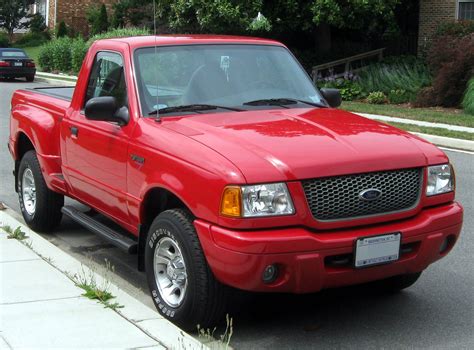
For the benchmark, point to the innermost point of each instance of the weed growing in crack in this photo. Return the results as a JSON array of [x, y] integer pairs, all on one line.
[[93, 290], [16, 234], [207, 335]]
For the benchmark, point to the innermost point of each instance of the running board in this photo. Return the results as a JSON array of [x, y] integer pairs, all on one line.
[[117, 239]]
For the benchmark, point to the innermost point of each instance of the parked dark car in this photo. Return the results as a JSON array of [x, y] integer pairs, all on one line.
[[15, 63]]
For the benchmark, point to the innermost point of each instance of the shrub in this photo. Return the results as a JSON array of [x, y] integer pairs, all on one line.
[[66, 54], [4, 42], [376, 98], [451, 59], [32, 39], [348, 86], [398, 96], [468, 100], [61, 52], [56, 55], [384, 77], [456, 28], [118, 33], [61, 30], [45, 57], [98, 19], [78, 52]]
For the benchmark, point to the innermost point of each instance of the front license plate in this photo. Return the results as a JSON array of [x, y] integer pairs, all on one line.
[[18, 64], [377, 250]]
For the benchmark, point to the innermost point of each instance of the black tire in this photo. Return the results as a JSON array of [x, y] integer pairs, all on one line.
[[396, 283], [30, 78], [47, 210], [205, 298]]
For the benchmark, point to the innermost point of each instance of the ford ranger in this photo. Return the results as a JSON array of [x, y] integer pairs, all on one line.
[[227, 168]]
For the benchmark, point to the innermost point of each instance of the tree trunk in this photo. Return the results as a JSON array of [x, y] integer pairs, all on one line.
[[10, 35], [323, 38]]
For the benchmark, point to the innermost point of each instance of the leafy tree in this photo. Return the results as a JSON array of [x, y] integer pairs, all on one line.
[[374, 16], [37, 23], [137, 13], [215, 16], [13, 14]]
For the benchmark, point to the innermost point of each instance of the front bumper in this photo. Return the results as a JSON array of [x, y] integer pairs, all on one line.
[[311, 260]]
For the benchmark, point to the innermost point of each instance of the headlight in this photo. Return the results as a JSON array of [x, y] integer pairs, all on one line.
[[257, 200], [440, 179]]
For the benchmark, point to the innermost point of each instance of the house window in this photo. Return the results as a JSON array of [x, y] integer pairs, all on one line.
[[466, 10]]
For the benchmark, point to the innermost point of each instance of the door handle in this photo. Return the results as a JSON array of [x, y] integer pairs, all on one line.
[[74, 131]]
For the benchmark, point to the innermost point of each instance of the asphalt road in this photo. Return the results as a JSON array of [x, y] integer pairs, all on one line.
[[437, 312]]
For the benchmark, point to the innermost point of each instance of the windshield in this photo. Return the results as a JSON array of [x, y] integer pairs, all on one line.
[[221, 75]]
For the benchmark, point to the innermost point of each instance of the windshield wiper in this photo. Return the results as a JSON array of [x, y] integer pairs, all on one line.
[[191, 108], [282, 102]]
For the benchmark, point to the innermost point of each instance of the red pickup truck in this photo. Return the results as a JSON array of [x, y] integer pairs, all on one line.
[[226, 168]]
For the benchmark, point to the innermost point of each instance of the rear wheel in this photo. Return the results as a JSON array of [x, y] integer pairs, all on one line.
[[182, 286], [30, 78], [40, 207]]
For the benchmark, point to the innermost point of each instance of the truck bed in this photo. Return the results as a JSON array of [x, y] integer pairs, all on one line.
[[62, 92]]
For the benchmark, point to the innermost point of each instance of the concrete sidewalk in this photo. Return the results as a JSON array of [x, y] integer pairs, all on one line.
[[41, 306]]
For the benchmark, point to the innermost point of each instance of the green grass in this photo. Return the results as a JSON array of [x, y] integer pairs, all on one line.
[[434, 131], [33, 52], [435, 115]]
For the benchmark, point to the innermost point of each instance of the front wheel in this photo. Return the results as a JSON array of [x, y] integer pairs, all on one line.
[[182, 286], [40, 207]]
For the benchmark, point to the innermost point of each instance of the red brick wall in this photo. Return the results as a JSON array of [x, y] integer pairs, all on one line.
[[73, 13], [432, 14]]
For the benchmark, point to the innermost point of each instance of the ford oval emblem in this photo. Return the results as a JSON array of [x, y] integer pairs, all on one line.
[[370, 194]]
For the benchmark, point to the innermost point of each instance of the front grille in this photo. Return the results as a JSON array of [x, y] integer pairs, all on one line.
[[338, 197]]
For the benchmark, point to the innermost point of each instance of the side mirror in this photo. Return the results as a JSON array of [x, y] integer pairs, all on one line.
[[332, 96], [105, 108]]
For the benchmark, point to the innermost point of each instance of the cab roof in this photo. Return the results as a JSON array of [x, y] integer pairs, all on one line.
[[164, 40]]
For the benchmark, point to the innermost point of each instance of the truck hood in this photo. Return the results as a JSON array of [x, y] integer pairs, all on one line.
[[296, 144]]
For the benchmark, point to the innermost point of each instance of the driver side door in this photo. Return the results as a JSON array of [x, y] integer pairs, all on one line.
[[96, 151]]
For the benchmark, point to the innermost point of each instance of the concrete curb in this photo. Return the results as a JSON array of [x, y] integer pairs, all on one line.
[[55, 79], [447, 141], [141, 316], [418, 122]]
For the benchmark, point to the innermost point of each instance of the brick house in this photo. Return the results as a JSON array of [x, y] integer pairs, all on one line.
[[435, 12], [72, 12]]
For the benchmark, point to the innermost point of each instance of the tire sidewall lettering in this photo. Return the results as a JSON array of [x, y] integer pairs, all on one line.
[[164, 308]]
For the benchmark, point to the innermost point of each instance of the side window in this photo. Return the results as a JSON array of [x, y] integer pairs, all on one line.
[[107, 78]]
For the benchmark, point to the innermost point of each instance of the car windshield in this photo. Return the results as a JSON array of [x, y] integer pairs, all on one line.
[[12, 53], [223, 76]]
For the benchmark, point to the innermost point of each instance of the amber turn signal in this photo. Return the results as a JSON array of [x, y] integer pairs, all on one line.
[[231, 201]]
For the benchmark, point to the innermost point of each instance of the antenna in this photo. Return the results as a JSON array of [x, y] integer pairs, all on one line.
[[158, 119]]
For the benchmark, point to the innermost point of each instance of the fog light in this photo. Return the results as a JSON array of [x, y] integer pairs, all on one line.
[[270, 274], [447, 244], [443, 245]]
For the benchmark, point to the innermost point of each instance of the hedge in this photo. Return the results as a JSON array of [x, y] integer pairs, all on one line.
[[66, 54]]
